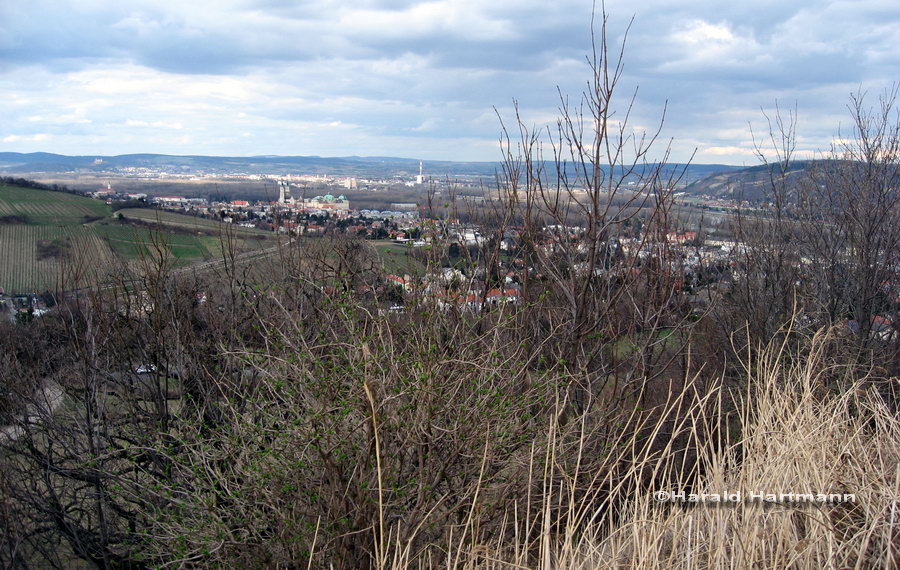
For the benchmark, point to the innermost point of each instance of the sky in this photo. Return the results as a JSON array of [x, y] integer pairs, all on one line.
[[427, 79]]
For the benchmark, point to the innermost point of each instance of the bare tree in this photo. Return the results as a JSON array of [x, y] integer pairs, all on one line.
[[766, 262], [826, 239], [575, 205], [851, 207]]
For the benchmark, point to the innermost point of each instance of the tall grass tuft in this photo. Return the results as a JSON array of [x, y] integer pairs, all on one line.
[[787, 432]]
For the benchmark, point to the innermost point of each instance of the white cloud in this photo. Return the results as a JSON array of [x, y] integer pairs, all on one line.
[[701, 33], [154, 124], [40, 137]]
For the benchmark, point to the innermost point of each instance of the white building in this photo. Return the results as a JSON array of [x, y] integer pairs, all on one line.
[[328, 203], [420, 179]]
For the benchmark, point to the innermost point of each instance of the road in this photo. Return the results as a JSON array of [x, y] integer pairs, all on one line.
[[239, 258]]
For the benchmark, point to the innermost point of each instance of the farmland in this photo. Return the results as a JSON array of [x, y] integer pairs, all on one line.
[[45, 207], [39, 257], [53, 240]]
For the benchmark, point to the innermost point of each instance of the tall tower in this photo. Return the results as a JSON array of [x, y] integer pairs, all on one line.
[[420, 179], [282, 192]]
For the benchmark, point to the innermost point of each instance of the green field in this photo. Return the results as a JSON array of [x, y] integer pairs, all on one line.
[[52, 240], [397, 258]]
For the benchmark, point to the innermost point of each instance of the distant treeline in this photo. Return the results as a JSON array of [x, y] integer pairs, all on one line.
[[26, 183]]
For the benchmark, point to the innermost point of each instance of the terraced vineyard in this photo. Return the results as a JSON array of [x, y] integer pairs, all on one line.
[[45, 207], [53, 240], [35, 258]]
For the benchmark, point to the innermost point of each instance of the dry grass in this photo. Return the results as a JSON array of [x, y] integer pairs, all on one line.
[[796, 437]]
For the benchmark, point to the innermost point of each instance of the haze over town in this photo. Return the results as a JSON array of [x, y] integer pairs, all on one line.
[[419, 79]]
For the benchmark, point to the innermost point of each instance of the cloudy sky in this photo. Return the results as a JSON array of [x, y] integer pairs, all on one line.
[[421, 79]]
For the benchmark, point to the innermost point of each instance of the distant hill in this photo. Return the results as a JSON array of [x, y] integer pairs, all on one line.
[[745, 183], [371, 166], [12, 162]]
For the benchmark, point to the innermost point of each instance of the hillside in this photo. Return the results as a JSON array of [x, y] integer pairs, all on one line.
[[33, 206], [55, 240], [746, 183]]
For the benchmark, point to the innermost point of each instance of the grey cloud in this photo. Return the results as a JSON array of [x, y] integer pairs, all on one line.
[[408, 71], [225, 42]]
